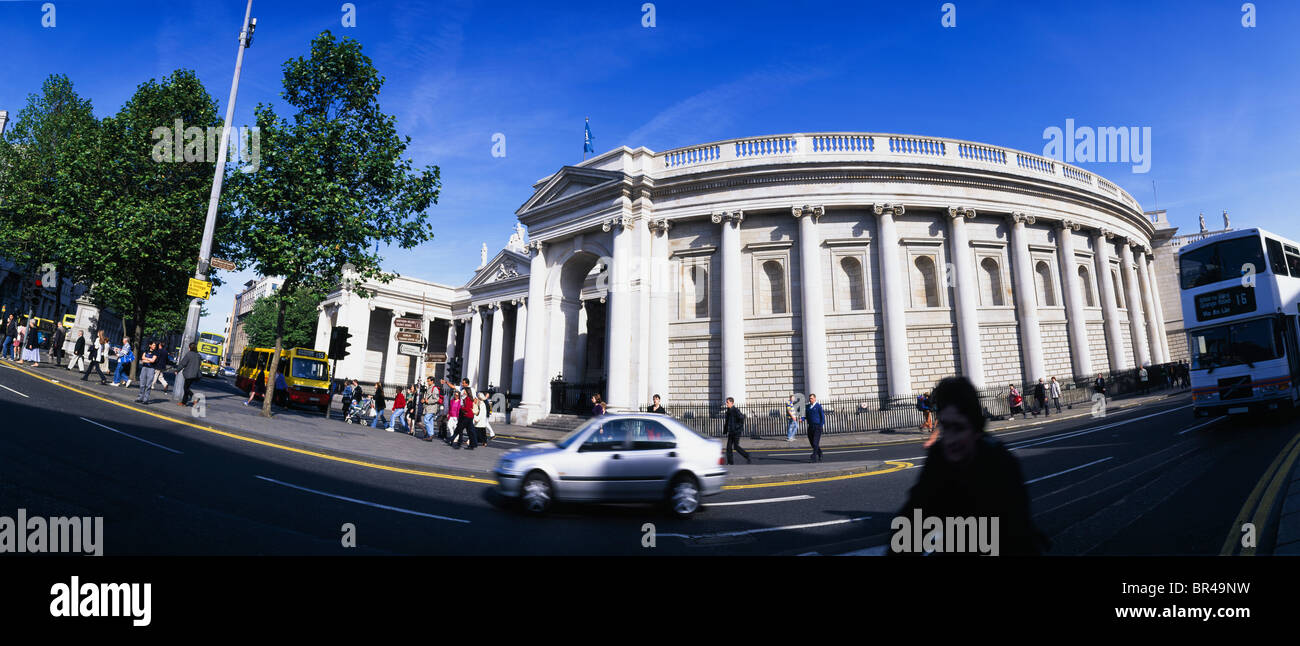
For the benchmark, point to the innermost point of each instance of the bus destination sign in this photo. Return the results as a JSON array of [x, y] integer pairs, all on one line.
[[1225, 302]]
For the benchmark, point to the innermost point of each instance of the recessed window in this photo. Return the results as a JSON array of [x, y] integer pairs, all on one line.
[[1043, 280], [990, 283], [925, 282], [1085, 283], [852, 284], [771, 292], [1119, 289], [695, 292]]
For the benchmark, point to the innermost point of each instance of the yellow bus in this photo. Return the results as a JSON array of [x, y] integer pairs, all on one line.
[[212, 347], [306, 374]]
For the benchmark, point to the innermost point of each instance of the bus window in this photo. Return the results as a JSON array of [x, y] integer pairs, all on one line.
[[1236, 343], [1276, 259], [308, 369], [1220, 261], [1293, 260]]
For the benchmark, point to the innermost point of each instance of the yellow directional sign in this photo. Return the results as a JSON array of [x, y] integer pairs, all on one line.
[[199, 289]]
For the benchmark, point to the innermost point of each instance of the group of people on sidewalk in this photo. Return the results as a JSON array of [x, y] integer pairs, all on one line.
[[437, 409], [23, 340]]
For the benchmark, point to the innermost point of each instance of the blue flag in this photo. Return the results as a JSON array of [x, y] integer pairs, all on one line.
[[587, 145]]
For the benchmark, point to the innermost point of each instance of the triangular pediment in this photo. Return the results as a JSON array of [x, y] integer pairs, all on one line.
[[569, 183], [508, 264]]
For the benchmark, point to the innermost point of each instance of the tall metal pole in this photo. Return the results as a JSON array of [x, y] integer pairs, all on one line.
[[218, 174]]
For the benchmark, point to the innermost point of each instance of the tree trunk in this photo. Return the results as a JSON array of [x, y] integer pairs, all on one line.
[[275, 357], [135, 347]]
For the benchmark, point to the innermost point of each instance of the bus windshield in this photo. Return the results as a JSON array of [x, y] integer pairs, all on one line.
[[1235, 344], [209, 358], [309, 369], [1221, 261]]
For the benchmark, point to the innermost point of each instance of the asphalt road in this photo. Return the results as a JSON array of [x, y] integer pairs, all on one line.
[[1154, 480]]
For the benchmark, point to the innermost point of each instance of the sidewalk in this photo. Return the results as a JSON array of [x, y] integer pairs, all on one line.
[[1288, 527], [308, 430]]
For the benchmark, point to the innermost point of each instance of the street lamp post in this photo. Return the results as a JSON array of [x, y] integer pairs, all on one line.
[[218, 174]]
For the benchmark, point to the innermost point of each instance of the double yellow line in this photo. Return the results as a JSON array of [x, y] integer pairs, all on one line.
[[1261, 499]]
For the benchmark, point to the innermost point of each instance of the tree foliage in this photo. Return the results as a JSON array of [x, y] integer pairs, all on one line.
[[299, 320], [332, 181]]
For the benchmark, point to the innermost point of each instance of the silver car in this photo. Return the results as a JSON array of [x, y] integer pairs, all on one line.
[[616, 458]]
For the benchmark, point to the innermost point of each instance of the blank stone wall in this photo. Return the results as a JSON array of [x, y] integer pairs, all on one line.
[[933, 356], [773, 366], [1056, 352], [695, 371], [1097, 346], [1000, 346], [857, 364]]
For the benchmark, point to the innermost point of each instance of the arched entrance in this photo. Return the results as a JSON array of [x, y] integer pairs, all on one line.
[[580, 347]]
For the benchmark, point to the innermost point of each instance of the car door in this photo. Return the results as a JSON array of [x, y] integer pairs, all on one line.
[[650, 458], [594, 473]]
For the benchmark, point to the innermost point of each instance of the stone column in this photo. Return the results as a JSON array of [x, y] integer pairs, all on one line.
[[1134, 299], [483, 370], [473, 346], [897, 366], [1109, 306], [1080, 353], [967, 305], [451, 343], [323, 329], [496, 359], [355, 314], [733, 314], [662, 288], [1031, 340], [1148, 308], [536, 398], [619, 358], [521, 340], [816, 371], [1161, 336]]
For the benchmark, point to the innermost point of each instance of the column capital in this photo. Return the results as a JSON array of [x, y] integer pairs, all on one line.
[[533, 247], [622, 222], [522, 300], [1103, 232], [1020, 217], [813, 212], [892, 209], [956, 212], [659, 225], [1069, 224], [728, 216]]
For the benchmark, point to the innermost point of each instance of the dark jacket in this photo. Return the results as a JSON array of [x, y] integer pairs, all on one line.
[[656, 409], [990, 485], [1039, 392], [380, 402], [815, 416], [80, 348], [735, 421], [189, 366]]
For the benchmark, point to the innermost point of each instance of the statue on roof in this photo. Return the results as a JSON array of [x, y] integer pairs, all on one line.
[[483, 256], [517, 238], [1203, 229], [1226, 225]]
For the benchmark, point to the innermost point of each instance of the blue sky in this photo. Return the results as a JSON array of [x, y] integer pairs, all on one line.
[[1221, 99]]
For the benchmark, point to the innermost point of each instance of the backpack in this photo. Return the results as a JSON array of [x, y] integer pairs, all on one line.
[[920, 402]]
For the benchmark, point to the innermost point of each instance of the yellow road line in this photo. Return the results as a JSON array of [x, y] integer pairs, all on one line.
[[209, 429], [898, 466], [1270, 481]]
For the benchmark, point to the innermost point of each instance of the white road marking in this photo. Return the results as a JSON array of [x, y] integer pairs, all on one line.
[[759, 502], [363, 502], [1065, 436], [770, 529], [138, 439], [13, 391], [1058, 473], [1217, 419]]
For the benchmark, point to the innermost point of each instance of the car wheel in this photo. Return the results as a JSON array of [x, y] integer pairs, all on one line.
[[684, 496], [537, 493]]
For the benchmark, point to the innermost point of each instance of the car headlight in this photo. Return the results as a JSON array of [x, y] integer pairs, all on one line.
[[506, 465]]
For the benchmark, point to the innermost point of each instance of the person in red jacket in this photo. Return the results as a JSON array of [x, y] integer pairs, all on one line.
[[399, 412]]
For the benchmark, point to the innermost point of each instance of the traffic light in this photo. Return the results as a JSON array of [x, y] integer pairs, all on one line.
[[339, 342], [453, 369]]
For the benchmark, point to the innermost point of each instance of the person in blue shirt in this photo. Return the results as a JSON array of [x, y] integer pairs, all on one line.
[[816, 420]]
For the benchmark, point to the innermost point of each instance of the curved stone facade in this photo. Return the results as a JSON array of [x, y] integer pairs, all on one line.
[[842, 264]]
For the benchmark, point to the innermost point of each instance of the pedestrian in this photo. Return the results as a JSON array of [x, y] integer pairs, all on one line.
[[453, 413], [432, 409], [78, 353], [148, 361], [281, 395], [11, 331], [1142, 378], [968, 474], [1015, 402], [32, 344], [187, 370], [1099, 386], [656, 407], [1040, 397], [18, 341], [56, 346], [160, 366], [122, 373], [1054, 390], [97, 353], [399, 411], [381, 404], [465, 424], [734, 426], [597, 406], [816, 421], [481, 426], [791, 417], [927, 409]]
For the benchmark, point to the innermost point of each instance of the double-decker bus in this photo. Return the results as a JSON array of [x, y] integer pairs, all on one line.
[[306, 374], [211, 349], [1241, 306]]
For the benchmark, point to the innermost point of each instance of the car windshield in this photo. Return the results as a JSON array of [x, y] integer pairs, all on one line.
[[208, 358], [1235, 344], [309, 369], [1221, 261], [573, 435]]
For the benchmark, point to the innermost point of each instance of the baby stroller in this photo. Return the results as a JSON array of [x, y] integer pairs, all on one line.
[[360, 411]]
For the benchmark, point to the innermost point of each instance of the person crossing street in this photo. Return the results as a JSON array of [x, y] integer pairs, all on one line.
[[734, 426], [816, 421]]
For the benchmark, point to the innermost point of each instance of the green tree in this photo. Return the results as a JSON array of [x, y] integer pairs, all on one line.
[[51, 181], [299, 321], [332, 182], [151, 223]]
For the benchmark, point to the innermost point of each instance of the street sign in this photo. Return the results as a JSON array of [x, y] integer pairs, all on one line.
[[412, 337], [199, 289], [435, 357], [410, 349], [408, 324], [222, 264]]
